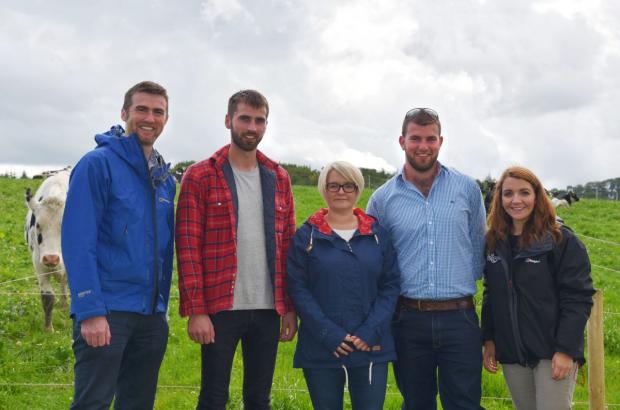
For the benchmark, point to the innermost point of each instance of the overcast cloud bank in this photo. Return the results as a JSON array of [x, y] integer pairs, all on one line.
[[529, 82]]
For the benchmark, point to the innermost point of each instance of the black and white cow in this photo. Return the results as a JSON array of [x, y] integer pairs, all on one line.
[[565, 201], [42, 232]]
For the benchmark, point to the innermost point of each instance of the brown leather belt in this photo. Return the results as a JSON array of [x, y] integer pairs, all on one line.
[[466, 302]]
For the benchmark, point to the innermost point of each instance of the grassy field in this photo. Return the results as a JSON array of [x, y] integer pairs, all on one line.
[[36, 368]]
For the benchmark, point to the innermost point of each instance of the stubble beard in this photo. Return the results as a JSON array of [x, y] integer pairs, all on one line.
[[421, 167]]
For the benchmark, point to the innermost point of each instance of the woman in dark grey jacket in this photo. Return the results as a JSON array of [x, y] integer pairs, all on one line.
[[537, 295]]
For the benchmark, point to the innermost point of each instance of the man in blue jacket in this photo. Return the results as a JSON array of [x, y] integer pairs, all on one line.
[[117, 242]]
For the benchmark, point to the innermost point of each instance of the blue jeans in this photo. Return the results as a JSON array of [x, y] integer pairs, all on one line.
[[258, 331], [127, 368], [438, 350], [326, 387]]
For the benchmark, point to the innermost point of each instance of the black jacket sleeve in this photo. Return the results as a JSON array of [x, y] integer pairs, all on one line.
[[488, 328], [574, 288]]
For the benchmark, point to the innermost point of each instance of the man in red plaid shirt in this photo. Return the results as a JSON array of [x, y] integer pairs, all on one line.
[[235, 217]]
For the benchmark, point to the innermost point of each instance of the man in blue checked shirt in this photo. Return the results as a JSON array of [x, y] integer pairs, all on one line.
[[436, 218]]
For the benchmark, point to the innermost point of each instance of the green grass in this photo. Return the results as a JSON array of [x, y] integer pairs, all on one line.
[[36, 369]]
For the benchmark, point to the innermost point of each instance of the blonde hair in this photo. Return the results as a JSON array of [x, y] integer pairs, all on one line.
[[348, 171]]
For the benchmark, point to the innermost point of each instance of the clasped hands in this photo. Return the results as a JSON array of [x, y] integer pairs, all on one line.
[[346, 346]]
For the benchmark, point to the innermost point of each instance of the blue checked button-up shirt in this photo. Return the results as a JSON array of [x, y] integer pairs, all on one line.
[[439, 239]]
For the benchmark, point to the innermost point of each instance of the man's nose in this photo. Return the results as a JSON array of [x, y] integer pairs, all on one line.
[[149, 116]]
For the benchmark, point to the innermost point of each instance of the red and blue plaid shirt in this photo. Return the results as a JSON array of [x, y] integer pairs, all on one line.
[[206, 236]]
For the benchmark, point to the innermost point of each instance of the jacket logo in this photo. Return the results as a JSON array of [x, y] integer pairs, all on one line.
[[493, 258], [530, 260], [84, 293]]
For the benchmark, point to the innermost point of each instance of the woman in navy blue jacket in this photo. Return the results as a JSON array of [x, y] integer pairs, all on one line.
[[344, 280]]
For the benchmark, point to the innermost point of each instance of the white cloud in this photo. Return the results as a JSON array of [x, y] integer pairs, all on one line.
[[514, 82]]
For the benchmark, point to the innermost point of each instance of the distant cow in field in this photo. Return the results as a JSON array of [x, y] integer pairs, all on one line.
[[42, 232], [488, 196], [565, 201]]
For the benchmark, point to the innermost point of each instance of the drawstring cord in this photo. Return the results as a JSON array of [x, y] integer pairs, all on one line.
[[309, 247], [346, 377]]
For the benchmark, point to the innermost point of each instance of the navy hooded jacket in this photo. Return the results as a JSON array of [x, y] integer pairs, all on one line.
[[118, 230], [341, 288]]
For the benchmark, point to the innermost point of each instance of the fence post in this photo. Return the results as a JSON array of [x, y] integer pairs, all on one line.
[[596, 355]]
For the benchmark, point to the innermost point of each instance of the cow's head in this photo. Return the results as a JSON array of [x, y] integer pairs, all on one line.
[[44, 224], [574, 196]]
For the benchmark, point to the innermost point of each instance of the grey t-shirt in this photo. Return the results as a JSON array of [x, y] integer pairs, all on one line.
[[253, 288]]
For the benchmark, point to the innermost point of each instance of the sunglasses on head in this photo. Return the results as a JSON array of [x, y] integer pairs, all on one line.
[[414, 112]]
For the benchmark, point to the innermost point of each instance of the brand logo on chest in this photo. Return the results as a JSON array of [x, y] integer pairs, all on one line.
[[493, 258]]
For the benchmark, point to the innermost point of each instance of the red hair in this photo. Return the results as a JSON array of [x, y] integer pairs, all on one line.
[[541, 221]]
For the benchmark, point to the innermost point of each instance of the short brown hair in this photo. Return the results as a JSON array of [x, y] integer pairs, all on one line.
[[540, 222], [148, 87], [250, 97], [421, 116]]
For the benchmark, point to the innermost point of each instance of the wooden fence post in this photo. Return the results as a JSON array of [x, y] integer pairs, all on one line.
[[596, 355]]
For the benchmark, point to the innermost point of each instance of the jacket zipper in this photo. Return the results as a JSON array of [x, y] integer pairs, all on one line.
[[155, 241], [514, 312]]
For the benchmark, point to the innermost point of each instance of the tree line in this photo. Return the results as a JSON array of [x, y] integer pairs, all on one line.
[[305, 175]]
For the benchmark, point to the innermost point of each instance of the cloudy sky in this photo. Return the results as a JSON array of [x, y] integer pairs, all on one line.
[[515, 82]]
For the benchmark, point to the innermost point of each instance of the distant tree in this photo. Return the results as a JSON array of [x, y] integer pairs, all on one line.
[[181, 166], [179, 169], [301, 174], [374, 178], [24, 175]]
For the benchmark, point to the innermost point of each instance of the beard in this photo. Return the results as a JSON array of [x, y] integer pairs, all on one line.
[[245, 144], [422, 166]]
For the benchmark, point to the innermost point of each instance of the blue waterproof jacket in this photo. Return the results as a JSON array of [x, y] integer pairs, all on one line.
[[118, 230], [341, 288]]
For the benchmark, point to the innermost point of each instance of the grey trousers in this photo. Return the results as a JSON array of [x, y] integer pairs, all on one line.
[[534, 389]]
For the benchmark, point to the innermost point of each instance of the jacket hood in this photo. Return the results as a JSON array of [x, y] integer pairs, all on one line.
[[545, 244], [365, 222], [126, 147]]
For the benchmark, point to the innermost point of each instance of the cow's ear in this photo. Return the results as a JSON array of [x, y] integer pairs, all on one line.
[[30, 201]]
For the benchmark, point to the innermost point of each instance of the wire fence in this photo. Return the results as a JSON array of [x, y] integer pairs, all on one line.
[[35, 276], [236, 388], [598, 239]]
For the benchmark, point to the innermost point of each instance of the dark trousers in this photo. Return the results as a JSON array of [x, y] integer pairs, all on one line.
[[326, 387], [438, 350], [259, 331], [126, 369]]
